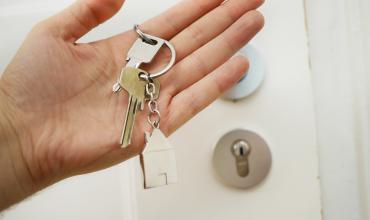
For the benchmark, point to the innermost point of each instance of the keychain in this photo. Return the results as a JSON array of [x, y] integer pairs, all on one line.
[[158, 157]]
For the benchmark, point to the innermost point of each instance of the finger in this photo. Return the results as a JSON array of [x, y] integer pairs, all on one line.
[[211, 25], [201, 94], [75, 21], [179, 17], [172, 21], [213, 54]]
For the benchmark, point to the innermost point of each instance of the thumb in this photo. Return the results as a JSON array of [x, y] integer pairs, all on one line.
[[75, 21]]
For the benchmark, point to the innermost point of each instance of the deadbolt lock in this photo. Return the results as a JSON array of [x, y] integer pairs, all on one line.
[[241, 150], [242, 159]]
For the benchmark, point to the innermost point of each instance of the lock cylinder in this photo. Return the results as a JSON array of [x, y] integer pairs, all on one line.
[[242, 159], [241, 150]]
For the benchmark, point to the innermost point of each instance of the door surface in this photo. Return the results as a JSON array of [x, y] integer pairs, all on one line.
[[281, 111]]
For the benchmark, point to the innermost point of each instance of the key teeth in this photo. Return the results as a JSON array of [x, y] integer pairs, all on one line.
[[116, 88]]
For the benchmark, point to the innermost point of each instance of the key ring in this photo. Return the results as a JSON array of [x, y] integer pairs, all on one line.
[[151, 40], [142, 35]]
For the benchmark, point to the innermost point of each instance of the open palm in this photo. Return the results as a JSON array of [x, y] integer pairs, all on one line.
[[69, 120]]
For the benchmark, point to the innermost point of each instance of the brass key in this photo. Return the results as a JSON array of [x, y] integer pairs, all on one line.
[[131, 82]]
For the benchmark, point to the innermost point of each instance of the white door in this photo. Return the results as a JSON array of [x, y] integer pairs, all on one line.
[[282, 112]]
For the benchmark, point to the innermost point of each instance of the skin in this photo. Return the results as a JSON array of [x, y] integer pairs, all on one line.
[[58, 114]]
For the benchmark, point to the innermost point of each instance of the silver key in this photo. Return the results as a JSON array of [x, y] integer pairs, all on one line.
[[141, 52]]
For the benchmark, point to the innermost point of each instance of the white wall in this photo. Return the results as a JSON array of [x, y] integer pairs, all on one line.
[[339, 38]]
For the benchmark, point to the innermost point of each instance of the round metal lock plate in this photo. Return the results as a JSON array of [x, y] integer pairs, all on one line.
[[229, 162]]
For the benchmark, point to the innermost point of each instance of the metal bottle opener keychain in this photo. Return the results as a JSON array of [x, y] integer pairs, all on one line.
[[158, 158]]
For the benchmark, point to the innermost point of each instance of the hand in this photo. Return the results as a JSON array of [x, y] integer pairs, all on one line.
[[56, 94]]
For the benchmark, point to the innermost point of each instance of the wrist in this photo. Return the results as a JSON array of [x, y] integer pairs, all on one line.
[[16, 180]]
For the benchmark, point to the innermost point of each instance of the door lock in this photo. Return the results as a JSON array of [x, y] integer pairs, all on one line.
[[242, 159], [241, 150]]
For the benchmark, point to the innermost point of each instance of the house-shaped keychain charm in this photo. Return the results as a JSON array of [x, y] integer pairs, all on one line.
[[158, 161]]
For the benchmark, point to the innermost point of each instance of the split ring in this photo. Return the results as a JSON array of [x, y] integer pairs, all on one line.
[[142, 35], [151, 40]]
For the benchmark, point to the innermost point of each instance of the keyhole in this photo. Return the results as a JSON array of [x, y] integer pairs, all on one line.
[[241, 150]]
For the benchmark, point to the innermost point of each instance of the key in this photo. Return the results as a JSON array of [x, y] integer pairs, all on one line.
[[135, 87], [158, 161], [141, 52]]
